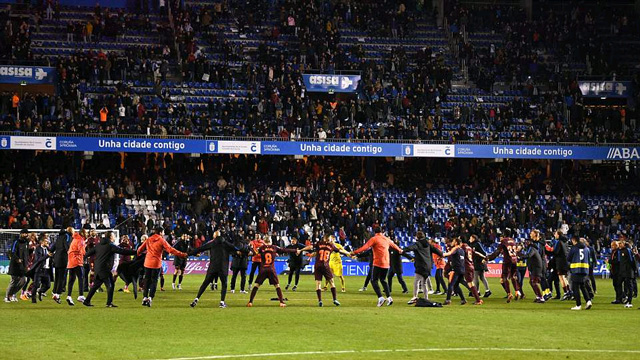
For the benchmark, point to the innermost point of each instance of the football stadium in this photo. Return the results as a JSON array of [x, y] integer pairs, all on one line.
[[333, 179]]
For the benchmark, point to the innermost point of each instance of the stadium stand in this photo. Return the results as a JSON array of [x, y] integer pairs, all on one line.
[[234, 69], [294, 197]]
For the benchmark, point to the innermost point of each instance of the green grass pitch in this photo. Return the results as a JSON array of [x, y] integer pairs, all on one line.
[[355, 330]]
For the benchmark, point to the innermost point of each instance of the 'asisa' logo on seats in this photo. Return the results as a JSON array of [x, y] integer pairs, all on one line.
[[623, 154]]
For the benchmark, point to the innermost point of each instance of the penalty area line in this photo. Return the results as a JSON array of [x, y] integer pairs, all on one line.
[[372, 351]]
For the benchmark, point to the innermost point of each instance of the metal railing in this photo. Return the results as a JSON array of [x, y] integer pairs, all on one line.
[[338, 140]]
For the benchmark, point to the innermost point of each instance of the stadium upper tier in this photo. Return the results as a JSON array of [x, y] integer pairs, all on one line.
[[235, 69]]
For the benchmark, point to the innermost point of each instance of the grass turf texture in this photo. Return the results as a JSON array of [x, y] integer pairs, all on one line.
[[171, 329]]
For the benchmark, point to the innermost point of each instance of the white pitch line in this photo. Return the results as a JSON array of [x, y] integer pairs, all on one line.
[[337, 352]]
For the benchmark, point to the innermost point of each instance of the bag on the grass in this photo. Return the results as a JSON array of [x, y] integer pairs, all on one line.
[[427, 303]]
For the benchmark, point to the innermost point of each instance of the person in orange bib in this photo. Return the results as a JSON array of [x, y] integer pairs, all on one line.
[[75, 264], [380, 245], [154, 246]]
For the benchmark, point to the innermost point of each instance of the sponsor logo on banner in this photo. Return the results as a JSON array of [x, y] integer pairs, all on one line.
[[4, 142], [238, 147], [331, 82], [620, 153], [33, 143], [32, 75], [433, 150], [605, 88]]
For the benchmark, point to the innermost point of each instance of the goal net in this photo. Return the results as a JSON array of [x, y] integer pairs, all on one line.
[[8, 236]]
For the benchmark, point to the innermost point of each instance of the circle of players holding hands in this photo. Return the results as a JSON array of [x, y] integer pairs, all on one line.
[[35, 263]]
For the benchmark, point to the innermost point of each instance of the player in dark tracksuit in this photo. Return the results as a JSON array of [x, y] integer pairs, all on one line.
[[366, 256], [104, 253], [456, 261], [180, 264], [593, 262], [219, 251], [423, 261], [626, 271], [239, 264], [539, 242], [479, 265], [41, 269], [59, 250], [396, 268], [579, 266], [295, 263], [534, 264]]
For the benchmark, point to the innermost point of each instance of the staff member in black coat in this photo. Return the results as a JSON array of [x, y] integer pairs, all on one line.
[[239, 264], [179, 263], [59, 250], [479, 265], [395, 260], [614, 262], [41, 269], [627, 270], [103, 264], [296, 263], [534, 264], [540, 243], [423, 260], [18, 257], [219, 250]]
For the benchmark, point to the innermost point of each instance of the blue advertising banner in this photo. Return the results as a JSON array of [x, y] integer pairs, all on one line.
[[319, 148], [330, 148], [16, 74], [547, 152], [331, 83], [606, 88], [130, 145]]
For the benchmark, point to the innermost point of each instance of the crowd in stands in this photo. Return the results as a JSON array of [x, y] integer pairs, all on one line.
[[251, 85], [303, 198]]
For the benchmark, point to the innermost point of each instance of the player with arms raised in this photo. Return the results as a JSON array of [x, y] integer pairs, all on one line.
[[323, 250], [268, 253], [507, 248]]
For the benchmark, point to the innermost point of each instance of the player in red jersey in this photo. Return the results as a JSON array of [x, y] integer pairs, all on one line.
[[507, 248], [268, 253], [322, 250], [469, 271], [255, 260]]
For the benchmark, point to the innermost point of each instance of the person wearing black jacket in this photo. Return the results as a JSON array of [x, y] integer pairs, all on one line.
[[479, 265], [560, 252], [368, 257], [534, 264], [219, 250], [395, 260], [239, 261], [627, 271], [456, 261], [59, 250], [423, 262], [41, 269], [104, 253], [593, 262], [538, 241], [295, 263], [615, 272], [18, 257], [179, 263]]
